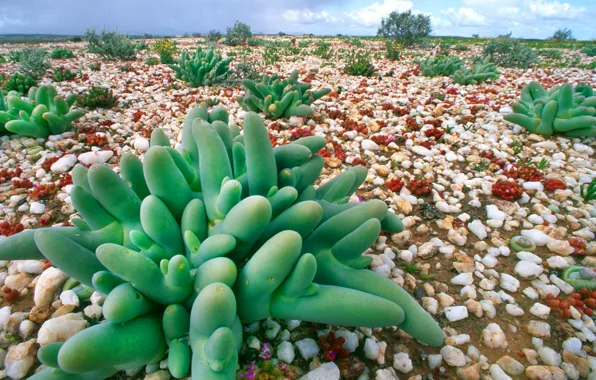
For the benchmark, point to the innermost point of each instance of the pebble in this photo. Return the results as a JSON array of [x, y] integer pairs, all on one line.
[[456, 313], [37, 208], [48, 283], [539, 329], [453, 356], [509, 282], [540, 310], [528, 269], [494, 337], [19, 359], [61, 328], [510, 365], [285, 352], [97, 157], [64, 163], [402, 362], [497, 373], [327, 371]]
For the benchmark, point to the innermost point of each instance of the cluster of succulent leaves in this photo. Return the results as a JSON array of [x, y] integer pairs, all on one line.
[[277, 97], [440, 65], [359, 63], [33, 61], [238, 34], [551, 53], [61, 74], [323, 50], [111, 45], [392, 50], [192, 242], [20, 83], [561, 109], [15, 55], [479, 73], [61, 53], [166, 49], [43, 113], [589, 192], [152, 61], [510, 52], [95, 66], [271, 55], [202, 68], [97, 97], [589, 51]]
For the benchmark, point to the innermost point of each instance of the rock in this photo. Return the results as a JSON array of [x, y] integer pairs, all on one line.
[[434, 360], [514, 310], [427, 250], [549, 356], [64, 163], [497, 373], [469, 373], [97, 157], [463, 279], [538, 237], [528, 269], [18, 281], [30, 266], [573, 345], [309, 348], [453, 356], [539, 329], [37, 208], [61, 328], [562, 247], [386, 374], [327, 371], [510, 365], [509, 282], [141, 144], [48, 283], [69, 297], [402, 362], [350, 368], [456, 313], [350, 339], [540, 310], [494, 337], [370, 145], [477, 228], [285, 352], [543, 372], [40, 314], [161, 374], [557, 262], [581, 364], [19, 359]]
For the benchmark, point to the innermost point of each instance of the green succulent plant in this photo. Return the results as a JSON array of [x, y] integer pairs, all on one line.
[[359, 63], [562, 109], [202, 68], [61, 74], [20, 83], [61, 53], [97, 97], [277, 97], [440, 66], [191, 243], [480, 72], [43, 113]]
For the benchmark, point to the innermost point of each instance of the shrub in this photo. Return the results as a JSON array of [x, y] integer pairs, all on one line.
[[2, 59], [550, 53], [405, 28], [20, 83], [61, 74], [562, 35], [256, 42], [166, 50], [95, 66], [461, 48], [323, 50], [34, 61], [238, 34], [76, 39], [140, 46], [214, 36], [392, 50], [61, 53], [589, 51], [110, 44], [510, 52], [244, 69], [480, 72], [202, 68], [97, 97], [152, 61], [271, 55], [15, 55], [359, 63]]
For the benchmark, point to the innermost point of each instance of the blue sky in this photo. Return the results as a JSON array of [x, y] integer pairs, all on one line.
[[525, 18]]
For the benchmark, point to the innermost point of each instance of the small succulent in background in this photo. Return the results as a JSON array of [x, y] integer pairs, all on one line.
[[95, 66], [588, 192], [61, 53], [61, 74], [202, 68], [359, 63], [97, 97], [479, 73], [20, 83]]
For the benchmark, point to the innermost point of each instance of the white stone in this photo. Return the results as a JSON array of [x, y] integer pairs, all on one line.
[[61, 328], [93, 311], [538, 237], [19, 359], [141, 144], [509, 282], [453, 356], [549, 356], [497, 373], [371, 349], [369, 145], [528, 269], [494, 337], [69, 297], [37, 208], [64, 163], [285, 352], [514, 310], [350, 339], [327, 371], [539, 329], [434, 360], [456, 313], [463, 279], [540, 310], [573, 345], [557, 262], [490, 261], [98, 157], [493, 212], [30, 266], [272, 328], [402, 362], [48, 283]]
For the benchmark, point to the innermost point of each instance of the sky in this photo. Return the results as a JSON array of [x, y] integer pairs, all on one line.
[[487, 18]]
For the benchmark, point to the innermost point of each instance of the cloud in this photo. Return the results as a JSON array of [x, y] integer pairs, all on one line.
[[464, 17], [374, 13], [554, 10], [306, 16]]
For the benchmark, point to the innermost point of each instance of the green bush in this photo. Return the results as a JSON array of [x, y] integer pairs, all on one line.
[[510, 52], [550, 53], [152, 61], [479, 73], [95, 66], [61, 53], [214, 36], [20, 83], [256, 42], [34, 61], [15, 55], [61, 74], [392, 50], [405, 28], [359, 63], [202, 68], [97, 97], [439, 66], [271, 55], [2, 59], [589, 51], [323, 50], [165, 49], [562, 35], [238, 34], [76, 39], [110, 44], [461, 48]]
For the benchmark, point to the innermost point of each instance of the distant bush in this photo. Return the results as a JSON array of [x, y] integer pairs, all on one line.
[[461, 48], [97, 97], [15, 55], [34, 61], [590, 51], [439, 66], [392, 51], [550, 53], [20, 83], [562, 35], [238, 34], [2, 59], [323, 50], [61, 53], [405, 28], [110, 44], [76, 39], [166, 50], [271, 55], [359, 63], [95, 66], [256, 42], [152, 61], [62, 74], [510, 52], [214, 36]]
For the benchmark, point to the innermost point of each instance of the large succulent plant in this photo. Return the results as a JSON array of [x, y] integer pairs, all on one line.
[[480, 72], [191, 243], [202, 68], [43, 113], [562, 109], [277, 97], [439, 66]]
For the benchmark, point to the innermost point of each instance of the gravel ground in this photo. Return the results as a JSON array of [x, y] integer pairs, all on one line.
[[415, 135]]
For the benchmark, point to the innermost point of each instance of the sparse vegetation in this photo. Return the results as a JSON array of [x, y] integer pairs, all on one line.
[[97, 97], [111, 45], [405, 28], [238, 34]]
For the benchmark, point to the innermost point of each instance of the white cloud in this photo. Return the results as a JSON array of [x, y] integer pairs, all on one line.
[[306, 16], [372, 15], [464, 17], [554, 10]]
